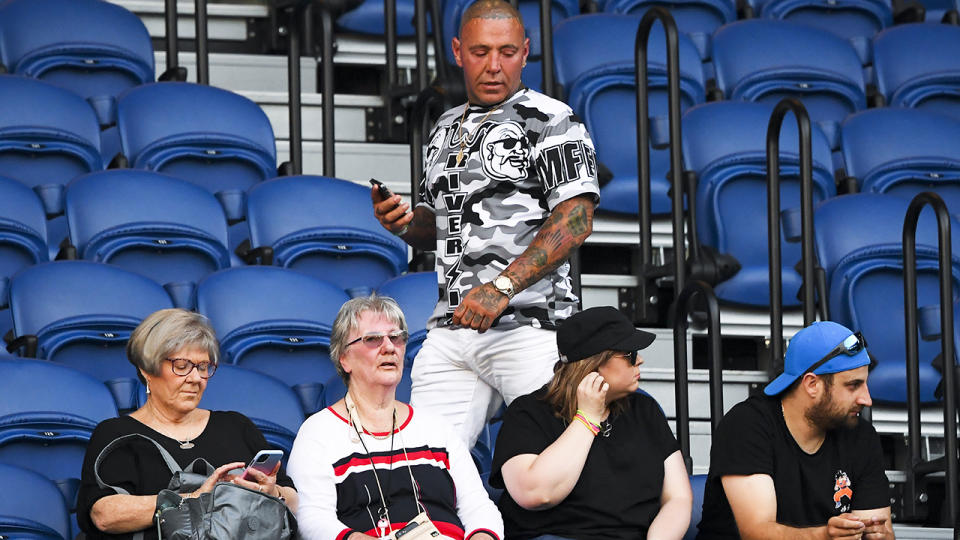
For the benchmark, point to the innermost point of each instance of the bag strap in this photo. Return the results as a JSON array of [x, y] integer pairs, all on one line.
[[107, 450]]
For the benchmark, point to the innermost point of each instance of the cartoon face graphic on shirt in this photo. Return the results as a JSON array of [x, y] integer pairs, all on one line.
[[842, 491], [505, 152]]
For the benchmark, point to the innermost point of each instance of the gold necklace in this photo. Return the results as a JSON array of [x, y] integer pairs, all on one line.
[[463, 141]]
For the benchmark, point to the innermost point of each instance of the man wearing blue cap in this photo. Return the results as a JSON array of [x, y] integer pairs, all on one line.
[[798, 463]]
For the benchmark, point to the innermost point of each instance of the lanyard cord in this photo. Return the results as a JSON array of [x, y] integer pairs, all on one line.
[[384, 511]]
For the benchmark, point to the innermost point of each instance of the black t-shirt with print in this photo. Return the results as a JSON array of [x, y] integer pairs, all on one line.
[[618, 492], [845, 474]]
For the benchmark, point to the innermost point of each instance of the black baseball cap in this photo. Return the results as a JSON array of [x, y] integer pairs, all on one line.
[[599, 329]]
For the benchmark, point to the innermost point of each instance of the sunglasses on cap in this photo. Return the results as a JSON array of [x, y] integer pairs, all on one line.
[[850, 346]]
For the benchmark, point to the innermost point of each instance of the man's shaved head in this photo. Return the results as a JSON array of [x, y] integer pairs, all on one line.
[[489, 9]]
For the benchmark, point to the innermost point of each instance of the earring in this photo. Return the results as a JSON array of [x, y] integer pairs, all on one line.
[[148, 389], [524, 64]]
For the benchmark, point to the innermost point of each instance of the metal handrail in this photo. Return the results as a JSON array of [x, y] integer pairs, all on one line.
[[295, 137], [773, 222], [546, 49], [684, 305], [170, 16], [643, 149], [200, 32], [946, 347]]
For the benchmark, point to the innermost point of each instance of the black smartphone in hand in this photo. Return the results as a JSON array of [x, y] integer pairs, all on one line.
[[384, 190]]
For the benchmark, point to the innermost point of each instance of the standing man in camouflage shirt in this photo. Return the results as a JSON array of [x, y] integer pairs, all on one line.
[[508, 193]]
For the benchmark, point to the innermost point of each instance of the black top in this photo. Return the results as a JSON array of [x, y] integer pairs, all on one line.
[[845, 474], [139, 468], [618, 493]]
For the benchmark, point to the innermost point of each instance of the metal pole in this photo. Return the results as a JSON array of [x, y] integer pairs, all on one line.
[[423, 75], [773, 221], [946, 343], [643, 147], [329, 155], [546, 48], [170, 13], [293, 94], [200, 25]]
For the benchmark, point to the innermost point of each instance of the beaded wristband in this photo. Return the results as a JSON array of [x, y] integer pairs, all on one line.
[[594, 428]]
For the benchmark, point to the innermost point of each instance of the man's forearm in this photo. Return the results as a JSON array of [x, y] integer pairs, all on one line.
[[422, 231], [570, 223]]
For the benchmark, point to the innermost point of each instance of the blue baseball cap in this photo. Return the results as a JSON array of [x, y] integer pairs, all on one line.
[[841, 349]]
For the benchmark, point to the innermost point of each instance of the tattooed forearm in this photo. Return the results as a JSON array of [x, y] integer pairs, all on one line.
[[570, 223]]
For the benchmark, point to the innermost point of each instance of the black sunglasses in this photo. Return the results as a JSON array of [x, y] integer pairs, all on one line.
[[630, 356], [850, 346]]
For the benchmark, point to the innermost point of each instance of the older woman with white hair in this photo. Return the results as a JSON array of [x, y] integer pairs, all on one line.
[[175, 353], [367, 466]]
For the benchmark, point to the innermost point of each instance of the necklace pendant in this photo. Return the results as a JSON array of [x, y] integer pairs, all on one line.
[[186, 445], [459, 157]]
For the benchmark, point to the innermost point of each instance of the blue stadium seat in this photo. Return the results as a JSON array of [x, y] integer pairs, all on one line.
[[342, 244], [207, 135], [417, 294], [767, 60], [92, 48], [724, 143], [31, 507], [47, 137], [367, 18], [934, 10], [859, 245], [697, 483], [699, 19], [276, 321], [81, 314], [854, 20], [23, 228], [267, 401], [904, 152], [47, 431], [595, 65], [161, 227], [917, 66]]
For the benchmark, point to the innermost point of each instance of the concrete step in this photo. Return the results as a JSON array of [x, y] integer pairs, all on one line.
[[245, 72]]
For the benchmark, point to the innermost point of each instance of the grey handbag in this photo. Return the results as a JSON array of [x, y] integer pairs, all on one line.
[[228, 512]]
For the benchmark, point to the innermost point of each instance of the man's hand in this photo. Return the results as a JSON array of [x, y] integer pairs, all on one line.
[[847, 526], [392, 213], [876, 523], [480, 307]]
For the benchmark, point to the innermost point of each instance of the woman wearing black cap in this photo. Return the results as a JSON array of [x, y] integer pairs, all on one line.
[[587, 457]]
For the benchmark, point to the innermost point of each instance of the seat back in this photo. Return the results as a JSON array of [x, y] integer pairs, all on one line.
[[31, 506], [854, 20], [859, 245], [206, 135], [417, 294], [917, 66], [47, 431], [47, 135], [697, 483], [904, 152], [82, 314], [724, 143], [161, 227], [344, 244], [767, 60], [273, 320], [699, 19], [267, 401], [368, 18], [595, 65], [23, 228], [92, 48]]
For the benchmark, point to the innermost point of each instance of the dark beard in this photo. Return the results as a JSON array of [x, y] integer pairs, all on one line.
[[824, 416]]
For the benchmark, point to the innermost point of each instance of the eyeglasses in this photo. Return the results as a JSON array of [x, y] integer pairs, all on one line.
[[183, 367], [372, 341], [508, 142], [850, 346], [631, 357]]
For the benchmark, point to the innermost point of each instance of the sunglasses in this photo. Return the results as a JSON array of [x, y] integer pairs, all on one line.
[[372, 341], [507, 142], [631, 357], [851, 346], [182, 367]]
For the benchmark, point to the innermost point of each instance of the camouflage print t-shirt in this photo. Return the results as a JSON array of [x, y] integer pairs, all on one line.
[[527, 155]]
